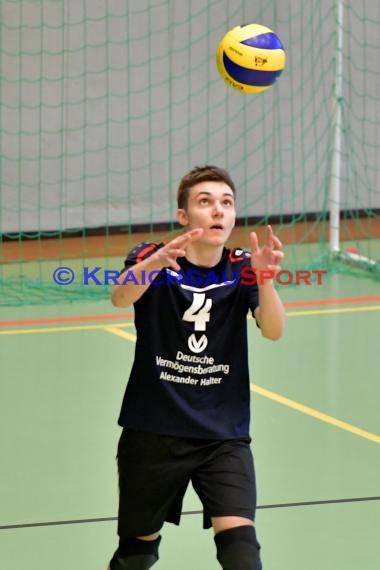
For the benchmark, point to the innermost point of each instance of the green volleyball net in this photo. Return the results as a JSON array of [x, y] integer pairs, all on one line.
[[105, 105]]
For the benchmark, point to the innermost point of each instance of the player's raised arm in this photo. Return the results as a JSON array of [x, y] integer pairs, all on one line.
[[270, 314], [126, 293]]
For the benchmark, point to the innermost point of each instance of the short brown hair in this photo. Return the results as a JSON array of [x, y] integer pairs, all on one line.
[[201, 174]]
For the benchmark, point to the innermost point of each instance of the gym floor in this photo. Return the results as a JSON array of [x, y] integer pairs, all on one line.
[[315, 430]]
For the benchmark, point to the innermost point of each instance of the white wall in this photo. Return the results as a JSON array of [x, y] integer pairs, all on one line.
[[105, 104]]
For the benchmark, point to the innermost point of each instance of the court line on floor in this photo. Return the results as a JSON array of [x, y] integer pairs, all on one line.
[[339, 301], [343, 310], [314, 413], [56, 320], [111, 328], [198, 512], [60, 329], [284, 401], [123, 334], [131, 337], [116, 316]]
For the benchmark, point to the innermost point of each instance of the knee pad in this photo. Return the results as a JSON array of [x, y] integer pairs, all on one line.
[[135, 554], [237, 549]]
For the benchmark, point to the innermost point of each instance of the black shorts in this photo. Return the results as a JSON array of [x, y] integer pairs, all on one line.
[[155, 471]]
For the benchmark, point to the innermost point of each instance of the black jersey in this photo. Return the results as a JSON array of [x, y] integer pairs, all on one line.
[[190, 373]]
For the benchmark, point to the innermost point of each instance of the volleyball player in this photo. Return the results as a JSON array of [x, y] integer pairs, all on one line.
[[186, 409]]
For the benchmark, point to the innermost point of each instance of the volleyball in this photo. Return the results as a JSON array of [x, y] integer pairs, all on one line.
[[250, 58]]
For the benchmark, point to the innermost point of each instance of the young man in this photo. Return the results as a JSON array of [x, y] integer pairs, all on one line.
[[186, 409]]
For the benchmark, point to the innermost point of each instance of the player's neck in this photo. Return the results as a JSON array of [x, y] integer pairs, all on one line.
[[204, 255]]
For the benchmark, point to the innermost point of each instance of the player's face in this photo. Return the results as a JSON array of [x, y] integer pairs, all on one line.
[[211, 206]]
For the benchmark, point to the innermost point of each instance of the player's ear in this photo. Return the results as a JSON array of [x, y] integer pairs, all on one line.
[[182, 217]]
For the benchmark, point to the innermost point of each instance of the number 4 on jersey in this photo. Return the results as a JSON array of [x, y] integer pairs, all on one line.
[[199, 311]]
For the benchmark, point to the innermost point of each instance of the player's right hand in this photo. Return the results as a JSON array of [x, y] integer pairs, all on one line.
[[168, 254]]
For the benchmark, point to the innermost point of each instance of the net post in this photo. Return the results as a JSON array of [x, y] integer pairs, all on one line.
[[334, 200], [336, 253]]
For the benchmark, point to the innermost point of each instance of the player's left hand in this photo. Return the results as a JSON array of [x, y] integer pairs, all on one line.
[[267, 258]]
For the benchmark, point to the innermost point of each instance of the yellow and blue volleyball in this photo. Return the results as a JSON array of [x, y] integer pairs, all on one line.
[[250, 58]]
